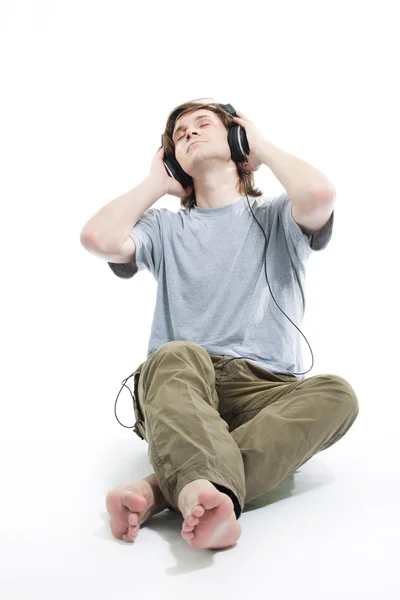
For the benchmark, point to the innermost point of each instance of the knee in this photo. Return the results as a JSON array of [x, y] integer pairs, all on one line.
[[343, 392]]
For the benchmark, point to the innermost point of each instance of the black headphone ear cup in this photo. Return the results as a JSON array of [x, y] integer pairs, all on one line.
[[238, 143], [175, 170]]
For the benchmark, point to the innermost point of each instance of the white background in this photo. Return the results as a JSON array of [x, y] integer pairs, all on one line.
[[86, 88]]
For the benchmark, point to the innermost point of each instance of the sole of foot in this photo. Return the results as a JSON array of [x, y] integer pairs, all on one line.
[[209, 517]]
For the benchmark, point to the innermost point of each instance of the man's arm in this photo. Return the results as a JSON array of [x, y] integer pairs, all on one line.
[[110, 227], [311, 192], [311, 220], [305, 185]]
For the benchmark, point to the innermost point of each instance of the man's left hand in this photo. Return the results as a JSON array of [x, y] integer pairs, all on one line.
[[255, 139]]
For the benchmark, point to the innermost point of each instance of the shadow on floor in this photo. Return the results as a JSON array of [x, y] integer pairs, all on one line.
[[168, 524]]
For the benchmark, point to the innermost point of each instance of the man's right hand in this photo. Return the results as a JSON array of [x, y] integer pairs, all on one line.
[[167, 183]]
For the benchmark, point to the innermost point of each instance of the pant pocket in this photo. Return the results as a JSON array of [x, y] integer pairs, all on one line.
[[139, 427]]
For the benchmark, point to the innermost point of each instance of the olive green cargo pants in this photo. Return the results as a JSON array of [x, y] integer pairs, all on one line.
[[243, 428]]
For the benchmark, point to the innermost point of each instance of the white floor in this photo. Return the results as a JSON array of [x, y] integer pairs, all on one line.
[[329, 531]]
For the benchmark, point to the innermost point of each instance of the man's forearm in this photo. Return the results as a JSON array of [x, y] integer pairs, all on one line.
[[112, 224], [304, 184]]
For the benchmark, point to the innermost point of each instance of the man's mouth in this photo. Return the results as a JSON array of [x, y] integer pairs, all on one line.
[[192, 144]]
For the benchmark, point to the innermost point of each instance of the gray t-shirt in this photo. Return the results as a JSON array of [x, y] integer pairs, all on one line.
[[212, 289]]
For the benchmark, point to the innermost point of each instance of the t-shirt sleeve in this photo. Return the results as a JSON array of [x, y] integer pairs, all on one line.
[[147, 235], [302, 244]]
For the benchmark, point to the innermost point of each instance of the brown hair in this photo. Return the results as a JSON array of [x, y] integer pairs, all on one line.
[[189, 199]]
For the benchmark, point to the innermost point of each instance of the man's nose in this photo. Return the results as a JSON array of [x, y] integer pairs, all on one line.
[[190, 132]]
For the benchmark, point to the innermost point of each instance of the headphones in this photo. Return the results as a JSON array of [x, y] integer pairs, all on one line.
[[237, 141], [240, 151]]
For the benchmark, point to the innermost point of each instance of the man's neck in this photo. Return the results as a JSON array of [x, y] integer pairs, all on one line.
[[216, 189]]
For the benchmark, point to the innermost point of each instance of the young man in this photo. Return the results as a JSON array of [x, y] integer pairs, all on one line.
[[218, 437]]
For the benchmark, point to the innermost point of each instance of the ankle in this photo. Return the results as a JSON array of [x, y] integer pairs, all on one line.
[[154, 494]]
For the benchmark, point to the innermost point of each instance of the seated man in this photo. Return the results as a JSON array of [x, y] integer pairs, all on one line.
[[219, 437]]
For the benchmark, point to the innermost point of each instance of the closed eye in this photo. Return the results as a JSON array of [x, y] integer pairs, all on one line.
[[184, 134]]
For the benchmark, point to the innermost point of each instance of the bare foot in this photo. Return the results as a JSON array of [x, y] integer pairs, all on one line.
[[210, 520], [132, 504]]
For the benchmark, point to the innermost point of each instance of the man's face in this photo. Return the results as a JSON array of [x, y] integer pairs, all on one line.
[[204, 127]]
